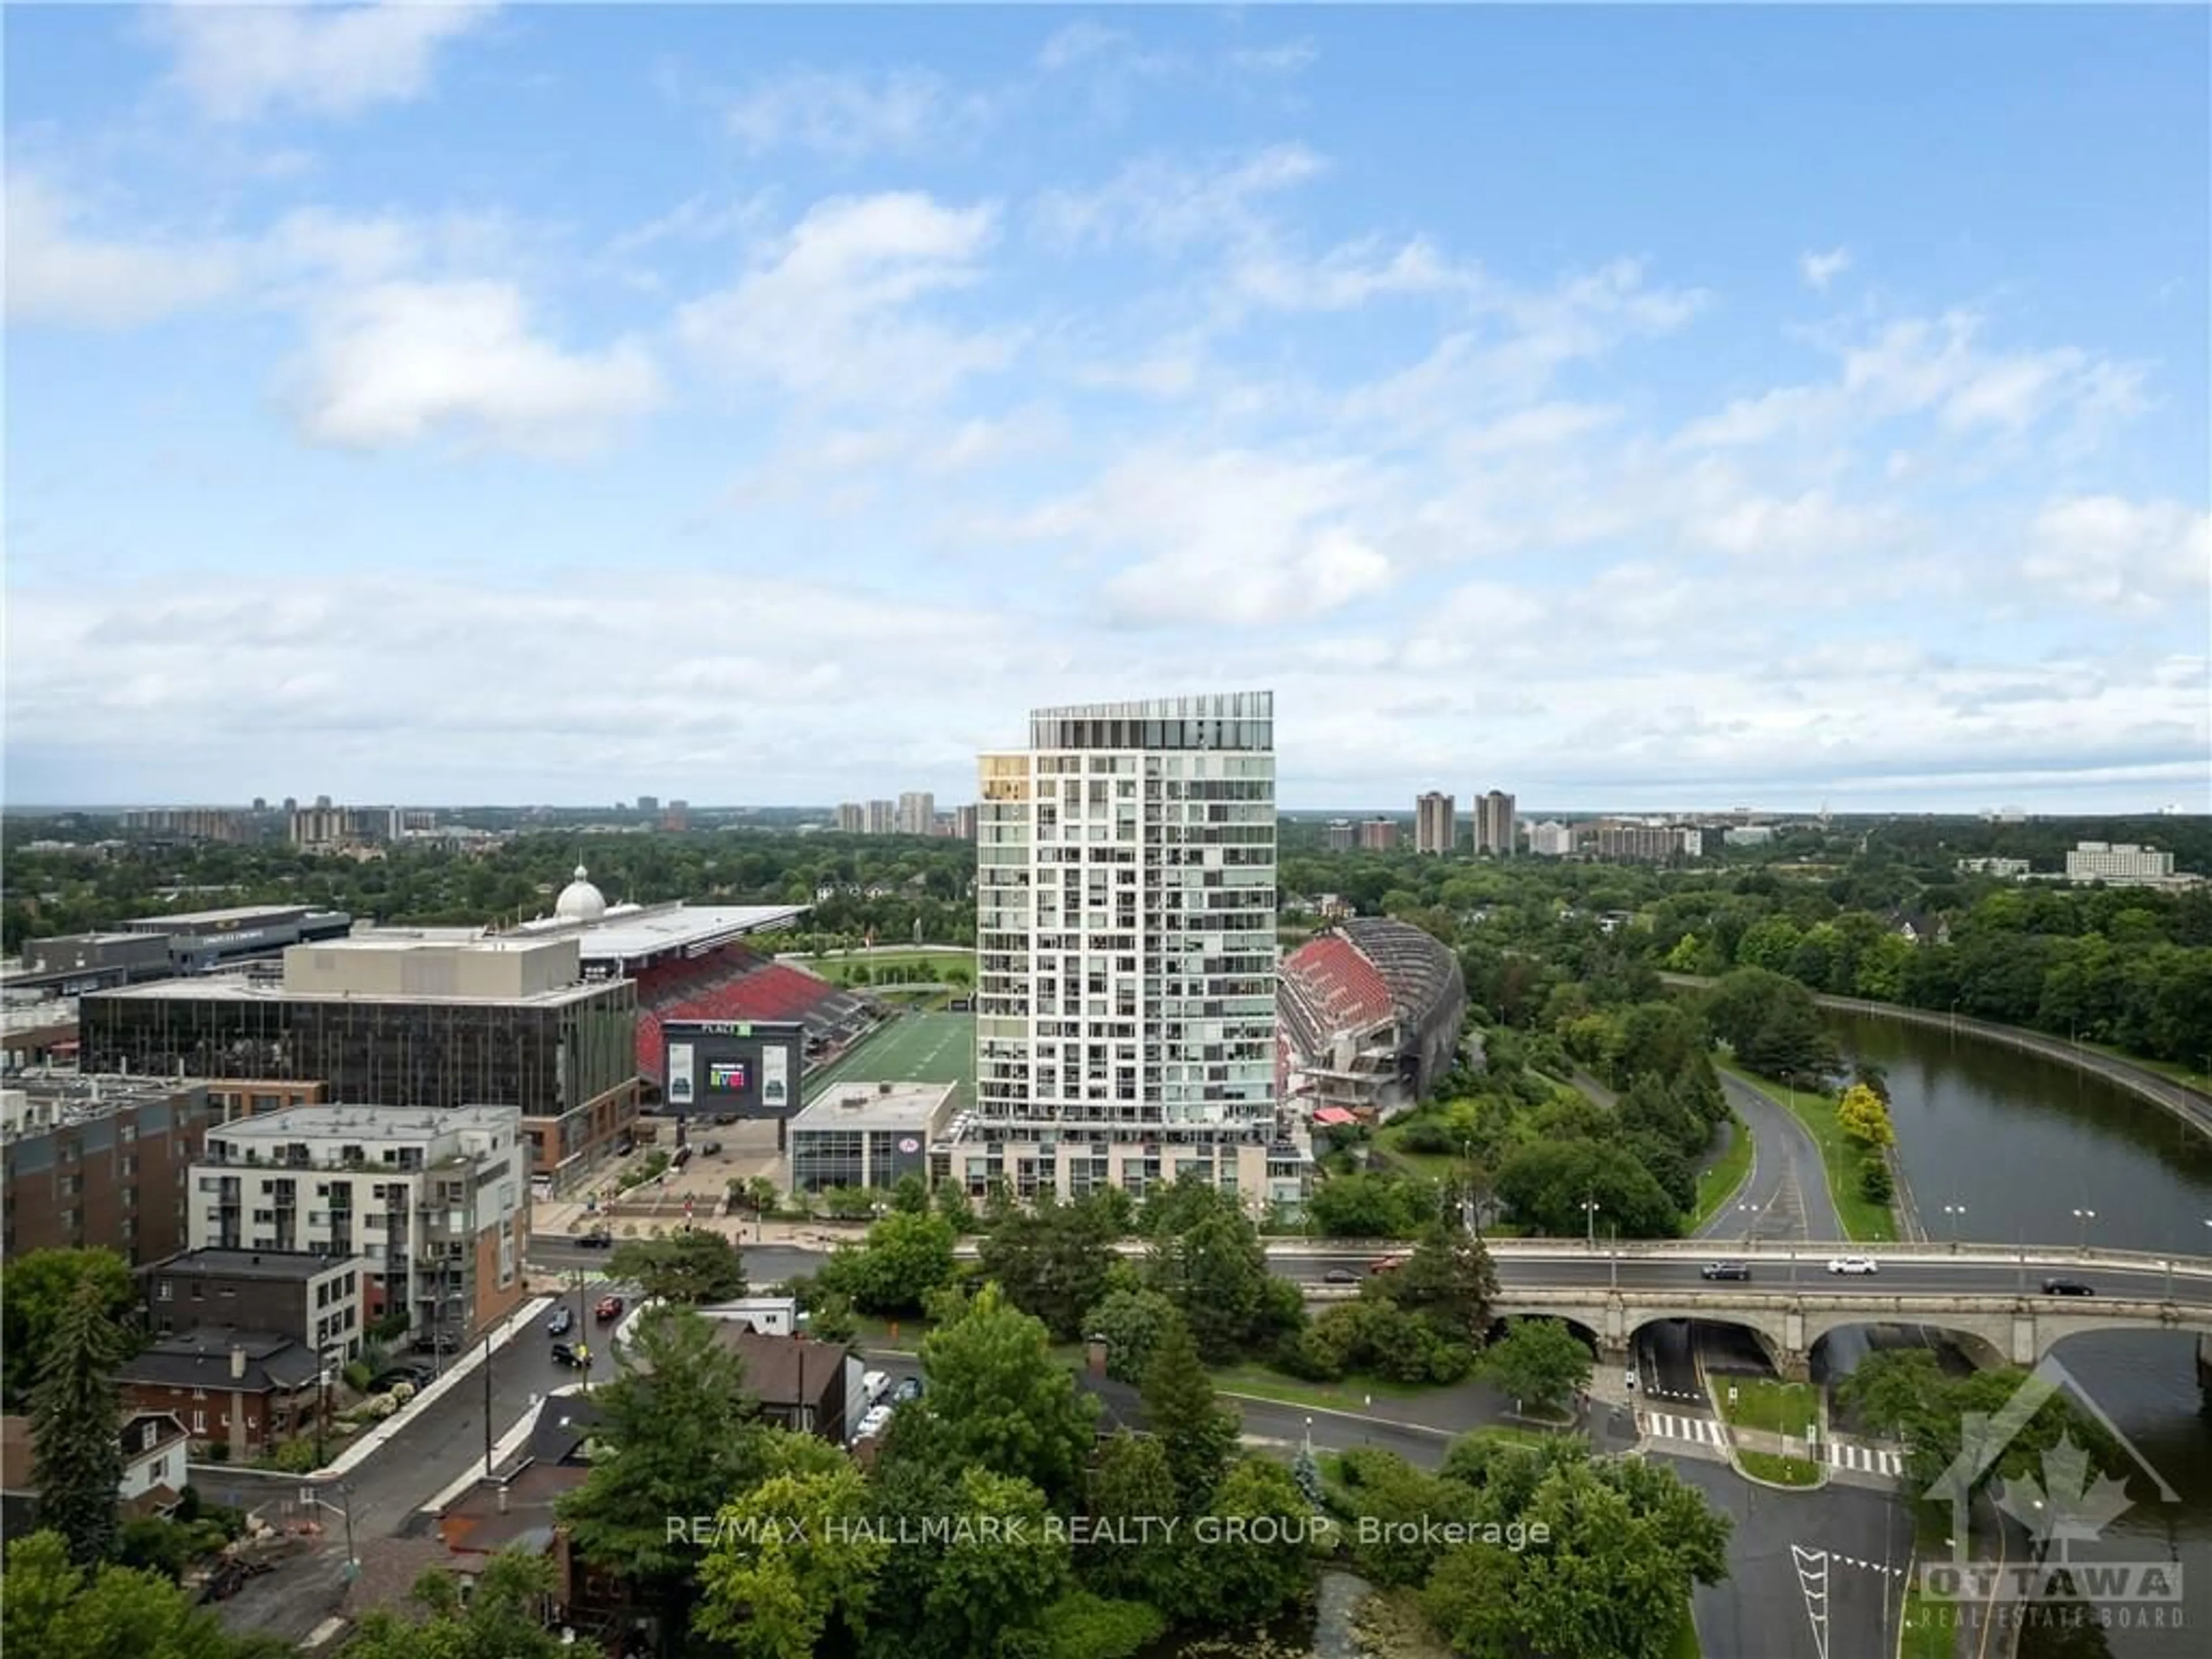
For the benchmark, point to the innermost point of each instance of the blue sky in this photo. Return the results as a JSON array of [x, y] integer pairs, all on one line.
[[1623, 407]]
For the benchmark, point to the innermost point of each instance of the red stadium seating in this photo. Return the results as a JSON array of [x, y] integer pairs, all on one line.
[[764, 991], [1349, 994]]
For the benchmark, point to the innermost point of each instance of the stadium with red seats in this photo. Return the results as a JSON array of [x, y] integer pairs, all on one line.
[[1368, 1019]]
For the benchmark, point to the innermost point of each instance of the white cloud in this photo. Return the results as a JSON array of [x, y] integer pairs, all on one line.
[[2129, 555], [1936, 368], [395, 362], [1818, 270], [831, 315], [1243, 537], [58, 272], [1167, 204], [848, 114], [1079, 43], [1289, 57], [241, 62]]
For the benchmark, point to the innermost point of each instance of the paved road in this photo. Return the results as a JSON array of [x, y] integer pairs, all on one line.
[[1854, 1543], [1787, 1191]]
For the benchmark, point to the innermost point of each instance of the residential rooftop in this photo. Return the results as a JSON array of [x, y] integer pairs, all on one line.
[[365, 1123], [300, 1265], [911, 1106]]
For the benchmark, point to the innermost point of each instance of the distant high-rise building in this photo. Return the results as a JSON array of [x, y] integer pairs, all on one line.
[[322, 803], [1551, 839], [677, 818], [649, 803], [1493, 823], [882, 817], [321, 828], [1638, 843], [1435, 823], [291, 805], [852, 819], [1125, 1030], [1341, 836], [917, 812], [260, 802], [963, 823], [2119, 863], [1378, 835]]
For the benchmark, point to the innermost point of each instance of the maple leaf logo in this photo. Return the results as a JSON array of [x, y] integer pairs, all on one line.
[[2072, 1503]]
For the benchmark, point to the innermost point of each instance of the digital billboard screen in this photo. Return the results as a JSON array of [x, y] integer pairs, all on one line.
[[741, 1068]]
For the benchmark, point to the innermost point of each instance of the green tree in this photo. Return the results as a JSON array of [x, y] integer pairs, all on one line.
[[792, 1557], [1198, 1436], [1247, 1572], [911, 1194], [1449, 1281], [1131, 1322], [52, 1608], [690, 1267], [76, 1454], [1132, 1492], [1539, 1362], [34, 1289], [501, 1619], [906, 1257], [677, 1440], [995, 1584], [1002, 1403], [1053, 1262], [1216, 1274], [951, 1203]]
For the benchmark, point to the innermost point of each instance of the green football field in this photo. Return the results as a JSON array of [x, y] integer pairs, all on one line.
[[911, 1048]]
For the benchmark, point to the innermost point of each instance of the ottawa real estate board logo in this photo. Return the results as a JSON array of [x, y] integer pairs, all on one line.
[[2067, 1501]]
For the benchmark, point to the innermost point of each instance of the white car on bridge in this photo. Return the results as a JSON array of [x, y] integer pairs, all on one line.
[[1854, 1264]]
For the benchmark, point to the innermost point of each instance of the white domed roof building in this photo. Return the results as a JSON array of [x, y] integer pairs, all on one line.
[[579, 901]]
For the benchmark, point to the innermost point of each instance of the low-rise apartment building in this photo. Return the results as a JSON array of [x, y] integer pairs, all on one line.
[[98, 1162], [316, 1300], [437, 1200]]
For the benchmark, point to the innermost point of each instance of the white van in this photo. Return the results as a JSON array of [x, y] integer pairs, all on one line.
[[874, 1385]]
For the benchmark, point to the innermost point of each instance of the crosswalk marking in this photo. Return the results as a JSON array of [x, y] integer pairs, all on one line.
[[1703, 1429], [1865, 1460]]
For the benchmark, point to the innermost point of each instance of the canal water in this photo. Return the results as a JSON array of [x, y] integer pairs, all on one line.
[[2020, 1144]]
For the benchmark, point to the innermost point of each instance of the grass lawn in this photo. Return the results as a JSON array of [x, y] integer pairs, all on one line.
[[933, 962], [915, 1047], [1683, 1642], [1718, 1183], [1929, 1623], [1781, 1471], [1864, 1222], [1349, 1396], [1506, 1435], [1436, 1166], [1784, 1408]]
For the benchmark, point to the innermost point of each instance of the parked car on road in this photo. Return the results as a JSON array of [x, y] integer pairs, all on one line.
[[908, 1389], [1340, 1276], [563, 1318], [599, 1238], [874, 1385], [2066, 1287], [610, 1309], [565, 1355], [1854, 1264], [1725, 1270]]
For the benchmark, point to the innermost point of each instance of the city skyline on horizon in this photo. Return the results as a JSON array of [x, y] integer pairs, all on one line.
[[491, 401]]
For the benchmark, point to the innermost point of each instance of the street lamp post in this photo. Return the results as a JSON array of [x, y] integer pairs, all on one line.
[[1750, 1213], [313, 1498], [1589, 1225], [2082, 1240], [1953, 1211]]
